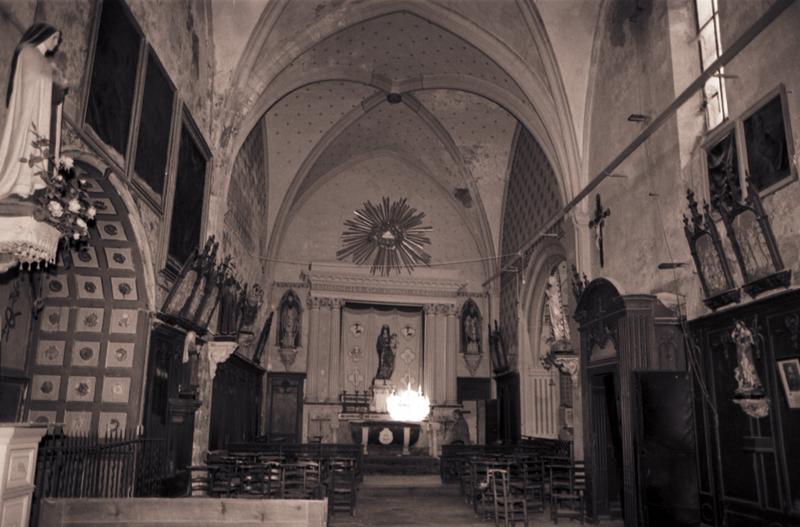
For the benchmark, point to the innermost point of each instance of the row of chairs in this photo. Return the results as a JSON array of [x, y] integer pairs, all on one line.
[[262, 476], [507, 488]]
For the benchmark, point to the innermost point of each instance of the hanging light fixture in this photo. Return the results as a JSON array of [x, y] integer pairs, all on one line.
[[408, 406]]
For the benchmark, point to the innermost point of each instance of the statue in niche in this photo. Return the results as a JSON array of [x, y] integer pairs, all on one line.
[[29, 100], [471, 329], [252, 298], [749, 384], [230, 300], [289, 334], [386, 346], [558, 320]]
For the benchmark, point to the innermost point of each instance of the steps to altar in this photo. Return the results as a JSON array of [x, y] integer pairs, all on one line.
[[395, 465]]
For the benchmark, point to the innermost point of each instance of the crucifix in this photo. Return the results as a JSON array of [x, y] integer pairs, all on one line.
[[597, 223]]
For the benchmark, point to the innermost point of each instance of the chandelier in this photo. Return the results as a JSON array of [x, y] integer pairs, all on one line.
[[408, 405], [389, 234]]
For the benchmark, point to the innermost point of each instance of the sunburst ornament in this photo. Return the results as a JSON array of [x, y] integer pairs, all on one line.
[[391, 235]]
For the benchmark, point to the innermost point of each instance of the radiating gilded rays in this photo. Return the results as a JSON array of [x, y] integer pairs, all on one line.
[[390, 235]]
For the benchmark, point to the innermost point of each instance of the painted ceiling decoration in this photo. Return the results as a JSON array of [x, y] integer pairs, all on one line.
[[390, 234]]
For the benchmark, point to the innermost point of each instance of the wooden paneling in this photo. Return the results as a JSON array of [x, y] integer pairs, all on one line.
[[197, 512], [749, 468]]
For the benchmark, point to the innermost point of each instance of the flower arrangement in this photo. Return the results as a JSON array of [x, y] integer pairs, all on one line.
[[63, 203]]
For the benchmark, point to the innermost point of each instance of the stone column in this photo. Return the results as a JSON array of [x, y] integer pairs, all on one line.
[[335, 355], [323, 350], [441, 352], [429, 354], [312, 371], [451, 355]]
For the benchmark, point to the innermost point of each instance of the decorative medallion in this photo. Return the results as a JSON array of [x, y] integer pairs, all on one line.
[[357, 329], [355, 377], [356, 353], [391, 235], [408, 332], [408, 379], [407, 355], [385, 436]]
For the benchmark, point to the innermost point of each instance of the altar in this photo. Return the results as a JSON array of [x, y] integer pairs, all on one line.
[[385, 433], [366, 337]]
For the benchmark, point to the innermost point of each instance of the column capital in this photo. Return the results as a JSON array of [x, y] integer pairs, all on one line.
[[314, 302], [430, 309]]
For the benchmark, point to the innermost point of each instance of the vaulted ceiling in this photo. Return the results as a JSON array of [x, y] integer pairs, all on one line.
[[321, 76]]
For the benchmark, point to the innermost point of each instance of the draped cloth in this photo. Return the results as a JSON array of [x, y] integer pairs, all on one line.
[[30, 104]]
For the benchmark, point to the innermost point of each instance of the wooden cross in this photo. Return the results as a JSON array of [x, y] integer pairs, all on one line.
[[597, 223]]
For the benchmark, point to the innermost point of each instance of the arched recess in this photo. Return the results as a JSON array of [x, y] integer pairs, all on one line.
[[538, 386], [89, 344], [241, 108]]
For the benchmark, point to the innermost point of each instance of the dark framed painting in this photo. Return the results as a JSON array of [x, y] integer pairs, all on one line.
[[789, 371], [767, 141], [112, 86], [186, 222], [722, 162], [155, 129]]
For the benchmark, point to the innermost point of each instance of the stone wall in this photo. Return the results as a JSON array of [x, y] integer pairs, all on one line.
[[644, 58]]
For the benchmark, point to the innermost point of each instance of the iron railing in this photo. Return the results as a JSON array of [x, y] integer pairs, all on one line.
[[117, 465]]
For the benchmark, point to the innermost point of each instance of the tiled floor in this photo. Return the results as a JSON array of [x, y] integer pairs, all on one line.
[[407, 501]]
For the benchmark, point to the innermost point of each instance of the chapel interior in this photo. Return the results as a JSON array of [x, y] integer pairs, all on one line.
[[400, 262]]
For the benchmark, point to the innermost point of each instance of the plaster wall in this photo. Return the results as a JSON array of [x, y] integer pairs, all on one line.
[[634, 75], [313, 234], [641, 66]]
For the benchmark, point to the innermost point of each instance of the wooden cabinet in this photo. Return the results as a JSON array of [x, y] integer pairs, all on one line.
[[749, 467]]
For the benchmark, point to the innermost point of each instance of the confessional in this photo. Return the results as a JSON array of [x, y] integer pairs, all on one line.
[[625, 340]]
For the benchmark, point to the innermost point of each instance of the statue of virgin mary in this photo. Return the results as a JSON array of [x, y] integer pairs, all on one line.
[[29, 102]]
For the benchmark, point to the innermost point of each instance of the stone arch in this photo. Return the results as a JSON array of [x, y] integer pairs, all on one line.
[[540, 397], [89, 345]]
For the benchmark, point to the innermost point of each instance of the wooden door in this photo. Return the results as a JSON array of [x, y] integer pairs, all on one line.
[[171, 403], [236, 403], [665, 449], [285, 407]]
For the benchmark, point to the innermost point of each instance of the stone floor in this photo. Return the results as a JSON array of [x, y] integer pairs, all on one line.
[[408, 501]]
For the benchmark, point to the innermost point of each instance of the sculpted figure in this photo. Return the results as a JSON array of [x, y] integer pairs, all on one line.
[[288, 337], [28, 100], [385, 346]]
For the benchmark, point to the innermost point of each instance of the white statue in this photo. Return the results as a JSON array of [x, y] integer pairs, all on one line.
[[558, 320], [29, 99]]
